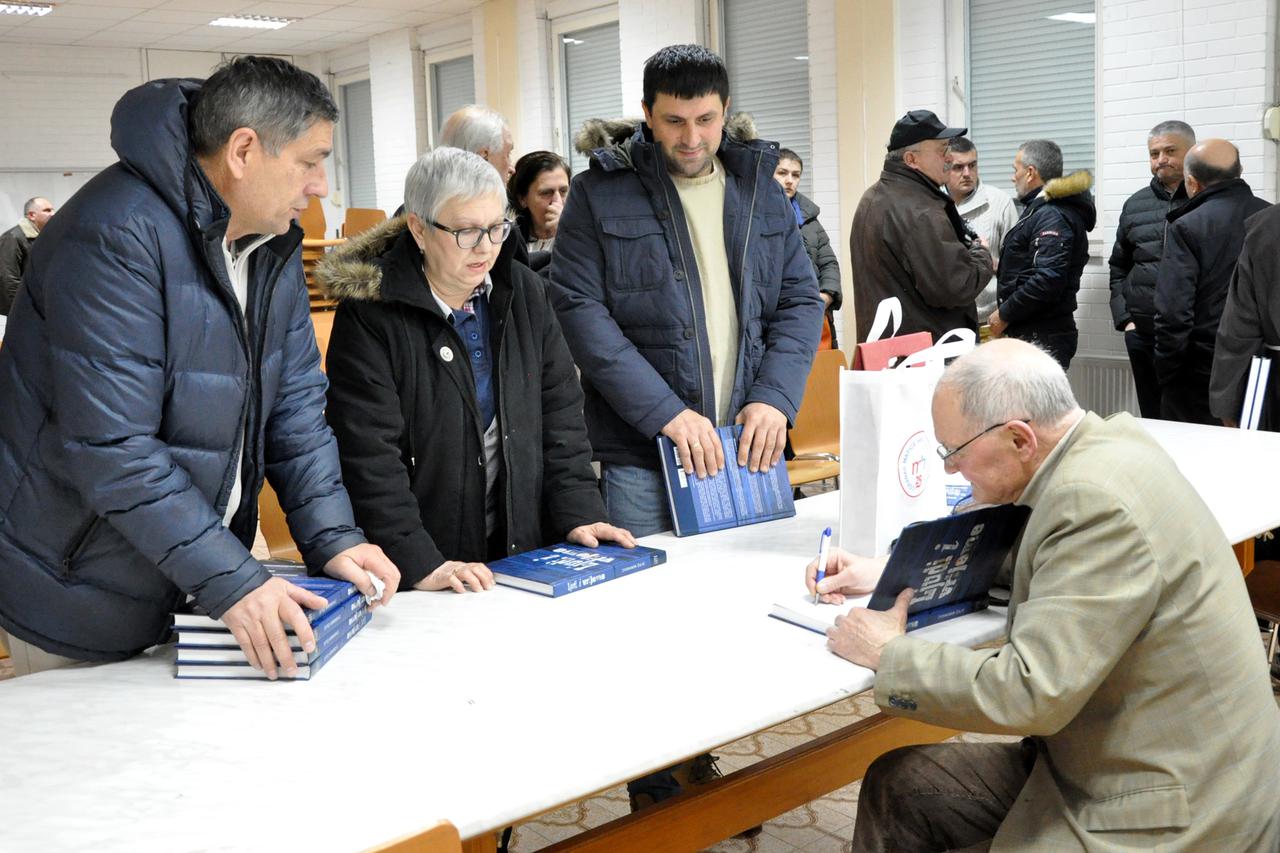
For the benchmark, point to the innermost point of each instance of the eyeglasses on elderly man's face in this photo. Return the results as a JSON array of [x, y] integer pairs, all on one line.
[[469, 238], [944, 454]]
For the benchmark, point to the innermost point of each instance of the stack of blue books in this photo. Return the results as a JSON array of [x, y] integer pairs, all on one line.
[[207, 649]]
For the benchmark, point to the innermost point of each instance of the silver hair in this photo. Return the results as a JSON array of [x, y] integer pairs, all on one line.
[[32, 204], [897, 155], [1174, 128], [1044, 155], [444, 174], [277, 99], [994, 386], [474, 128]]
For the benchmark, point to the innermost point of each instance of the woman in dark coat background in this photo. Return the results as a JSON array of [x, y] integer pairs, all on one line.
[[816, 242], [537, 192], [452, 392]]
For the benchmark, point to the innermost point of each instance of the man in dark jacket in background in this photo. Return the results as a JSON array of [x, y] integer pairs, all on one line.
[[162, 362], [816, 242], [15, 249], [1202, 244], [1045, 252], [684, 289], [909, 241], [1136, 255], [1250, 323]]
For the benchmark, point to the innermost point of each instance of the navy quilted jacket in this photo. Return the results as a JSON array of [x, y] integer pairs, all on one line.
[[626, 287], [128, 378]]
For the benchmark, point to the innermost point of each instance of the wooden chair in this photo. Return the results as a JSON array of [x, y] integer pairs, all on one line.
[[360, 219], [322, 321], [1263, 584], [274, 527], [441, 838], [815, 438], [312, 220]]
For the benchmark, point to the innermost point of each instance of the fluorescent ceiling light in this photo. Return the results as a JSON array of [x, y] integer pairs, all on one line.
[[254, 22], [36, 9], [571, 40], [1076, 17], [801, 58]]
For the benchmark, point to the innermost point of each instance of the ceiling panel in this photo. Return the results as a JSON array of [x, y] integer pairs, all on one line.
[[322, 25]]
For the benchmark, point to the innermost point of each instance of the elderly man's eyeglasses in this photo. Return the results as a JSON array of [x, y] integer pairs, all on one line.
[[469, 238], [945, 454]]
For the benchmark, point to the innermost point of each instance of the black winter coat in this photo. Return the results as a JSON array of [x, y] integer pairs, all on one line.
[[15, 248], [408, 418], [1136, 254], [1043, 256], [1250, 322], [128, 375], [823, 257], [1201, 247]]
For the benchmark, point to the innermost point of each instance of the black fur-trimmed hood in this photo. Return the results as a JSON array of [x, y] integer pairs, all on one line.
[[354, 271]]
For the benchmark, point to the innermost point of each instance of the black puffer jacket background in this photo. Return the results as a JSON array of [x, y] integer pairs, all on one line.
[[1043, 256], [1135, 258]]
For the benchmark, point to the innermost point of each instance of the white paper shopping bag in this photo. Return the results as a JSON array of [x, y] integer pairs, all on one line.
[[890, 473]]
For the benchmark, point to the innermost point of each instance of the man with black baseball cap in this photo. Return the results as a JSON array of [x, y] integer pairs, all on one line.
[[908, 240]]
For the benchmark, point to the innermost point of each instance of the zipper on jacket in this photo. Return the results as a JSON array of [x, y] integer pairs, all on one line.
[[77, 544], [684, 265], [742, 276]]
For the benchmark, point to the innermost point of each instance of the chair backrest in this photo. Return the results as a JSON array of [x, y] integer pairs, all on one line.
[[441, 838], [312, 220], [322, 322], [274, 527], [361, 219], [817, 428]]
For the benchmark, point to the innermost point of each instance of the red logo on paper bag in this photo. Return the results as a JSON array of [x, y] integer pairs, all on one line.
[[913, 465]]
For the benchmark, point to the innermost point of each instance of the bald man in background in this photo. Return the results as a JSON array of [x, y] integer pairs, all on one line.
[[1202, 243]]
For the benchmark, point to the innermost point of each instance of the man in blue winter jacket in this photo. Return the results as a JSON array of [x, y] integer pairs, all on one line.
[[165, 362], [684, 289]]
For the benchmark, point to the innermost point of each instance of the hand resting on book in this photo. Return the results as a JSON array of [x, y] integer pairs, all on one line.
[[847, 575], [457, 575], [861, 634], [258, 620], [591, 535]]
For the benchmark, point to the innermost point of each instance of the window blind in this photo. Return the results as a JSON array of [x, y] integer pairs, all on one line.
[[766, 47], [592, 67], [1031, 77], [357, 124], [453, 86]]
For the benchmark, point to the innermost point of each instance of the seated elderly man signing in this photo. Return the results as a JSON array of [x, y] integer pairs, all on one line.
[[1132, 668], [452, 393]]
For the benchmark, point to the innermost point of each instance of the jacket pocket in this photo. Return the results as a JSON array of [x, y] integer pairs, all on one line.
[[635, 253], [77, 545], [1164, 807]]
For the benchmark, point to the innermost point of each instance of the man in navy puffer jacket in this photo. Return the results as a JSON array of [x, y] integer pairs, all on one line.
[[163, 362]]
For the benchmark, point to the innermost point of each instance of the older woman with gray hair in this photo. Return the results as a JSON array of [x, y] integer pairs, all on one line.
[[452, 392]]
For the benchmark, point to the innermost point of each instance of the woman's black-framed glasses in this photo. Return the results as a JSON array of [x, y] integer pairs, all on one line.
[[469, 238], [945, 454]]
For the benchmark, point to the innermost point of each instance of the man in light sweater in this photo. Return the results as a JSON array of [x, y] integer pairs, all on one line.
[[988, 210]]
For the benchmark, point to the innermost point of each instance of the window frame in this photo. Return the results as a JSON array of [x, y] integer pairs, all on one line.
[[558, 28], [432, 58]]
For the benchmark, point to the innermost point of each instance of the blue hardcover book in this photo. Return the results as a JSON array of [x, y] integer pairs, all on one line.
[[732, 498], [335, 592], [950, 562], [241, 670], [565, 568]]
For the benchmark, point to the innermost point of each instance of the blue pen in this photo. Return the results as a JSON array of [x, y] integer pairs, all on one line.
[[824, 546]]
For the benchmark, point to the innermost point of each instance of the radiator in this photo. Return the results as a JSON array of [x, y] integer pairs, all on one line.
[[1103, 384]]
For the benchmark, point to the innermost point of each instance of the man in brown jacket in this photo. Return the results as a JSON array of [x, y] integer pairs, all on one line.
[[908, 240]]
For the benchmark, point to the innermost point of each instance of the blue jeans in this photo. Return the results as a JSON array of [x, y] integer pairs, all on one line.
[[635, 498]]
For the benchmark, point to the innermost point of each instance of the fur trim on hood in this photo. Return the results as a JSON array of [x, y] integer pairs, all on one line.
[[606, 133], [1073, 184], [349, 272]]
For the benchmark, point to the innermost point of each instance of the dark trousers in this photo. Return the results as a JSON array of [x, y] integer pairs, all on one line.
[[1061, 344], [1186, 399], [1142, 361], [942, 796]]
